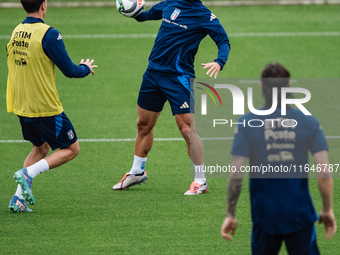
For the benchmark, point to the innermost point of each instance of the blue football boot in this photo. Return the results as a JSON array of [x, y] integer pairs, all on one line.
[[18, 205], [25, 182]]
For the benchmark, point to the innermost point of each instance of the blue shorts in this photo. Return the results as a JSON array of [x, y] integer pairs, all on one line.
[[57, 131], [302, 242], [157, 88]]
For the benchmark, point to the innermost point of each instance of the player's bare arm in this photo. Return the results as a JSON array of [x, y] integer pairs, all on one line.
[[214, 68], [89, 63], [233, 192], [325, 183]]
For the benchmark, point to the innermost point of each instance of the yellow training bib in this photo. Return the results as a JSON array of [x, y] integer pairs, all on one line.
[[31, 90]]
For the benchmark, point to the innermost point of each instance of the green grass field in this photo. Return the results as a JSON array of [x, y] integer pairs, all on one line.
[[76, 211]]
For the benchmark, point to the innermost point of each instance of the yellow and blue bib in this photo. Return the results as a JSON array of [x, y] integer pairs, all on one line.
[[31, 89]]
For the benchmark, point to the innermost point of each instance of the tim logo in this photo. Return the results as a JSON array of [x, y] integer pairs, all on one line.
[[204, 97], [238, 99], [175, 14]]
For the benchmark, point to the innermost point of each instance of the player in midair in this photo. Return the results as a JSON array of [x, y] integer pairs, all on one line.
[[169, 77], [33, 52], [281, 206]]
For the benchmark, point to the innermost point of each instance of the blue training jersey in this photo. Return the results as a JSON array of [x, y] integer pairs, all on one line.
[[280, 205], [54, 48], [184, 24]]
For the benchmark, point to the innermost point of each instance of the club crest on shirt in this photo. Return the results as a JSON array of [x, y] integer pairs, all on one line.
[[175, 14]]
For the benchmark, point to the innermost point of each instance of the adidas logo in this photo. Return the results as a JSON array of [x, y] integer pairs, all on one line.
[[212, 17], [59, 37], [185, 105]]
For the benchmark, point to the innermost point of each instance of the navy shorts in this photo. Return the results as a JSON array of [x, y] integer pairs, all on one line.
[[57, 131], [302, 242], [158, 88]]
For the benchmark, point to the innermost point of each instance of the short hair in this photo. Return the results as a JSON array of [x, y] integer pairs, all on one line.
[[31, 6], [274, 75]]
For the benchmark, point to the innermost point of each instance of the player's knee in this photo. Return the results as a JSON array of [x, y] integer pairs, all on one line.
[[42, 150], [185, 131], [143, 127], [74, 150]]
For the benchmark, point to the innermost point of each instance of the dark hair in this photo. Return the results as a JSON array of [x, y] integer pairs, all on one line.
[[31, 6], [274, 75]]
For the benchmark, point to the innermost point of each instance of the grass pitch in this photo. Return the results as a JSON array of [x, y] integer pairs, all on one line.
[[76, 211]]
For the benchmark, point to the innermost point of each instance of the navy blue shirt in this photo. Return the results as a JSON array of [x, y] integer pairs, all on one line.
[[54, 48], [280, 206], [184, 24]]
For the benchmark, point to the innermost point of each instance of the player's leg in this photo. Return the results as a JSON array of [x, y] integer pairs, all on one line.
[[186, 125], [143, 144], [178, 92], [150, 105], [263, 243], [145, 124], [63, 155], [39, 151], [37, 154], [18, 203], [302, 242], [57, 132], [57, 158], [36, 163]]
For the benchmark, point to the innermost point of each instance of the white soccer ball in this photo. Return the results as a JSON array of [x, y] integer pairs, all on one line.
[[130, 8]]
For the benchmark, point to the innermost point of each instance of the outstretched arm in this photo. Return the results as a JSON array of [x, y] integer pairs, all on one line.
[[54, 48], [212, 26], [233, 192], [155, 13], [325, 183]]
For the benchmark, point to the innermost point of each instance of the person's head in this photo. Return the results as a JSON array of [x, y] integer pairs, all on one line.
[[35, 6], [274, 75]]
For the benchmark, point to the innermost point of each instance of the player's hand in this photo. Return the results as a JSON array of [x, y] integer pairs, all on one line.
[[328, 219], [214, 68], [89, 63], [229, 224]]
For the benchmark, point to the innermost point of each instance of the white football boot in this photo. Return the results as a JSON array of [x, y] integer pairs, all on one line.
[[130, 180], [196, 188]]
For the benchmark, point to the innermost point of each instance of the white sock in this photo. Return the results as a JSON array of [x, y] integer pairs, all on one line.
[[38, 168], [200, 174], [138, 165], [18, 193]]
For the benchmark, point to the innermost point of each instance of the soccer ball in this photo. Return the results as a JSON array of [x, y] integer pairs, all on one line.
[[130, 8]]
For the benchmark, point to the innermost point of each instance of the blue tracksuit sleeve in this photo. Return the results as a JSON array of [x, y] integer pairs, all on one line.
[[54, 48], [211, 25], [155, 13]]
